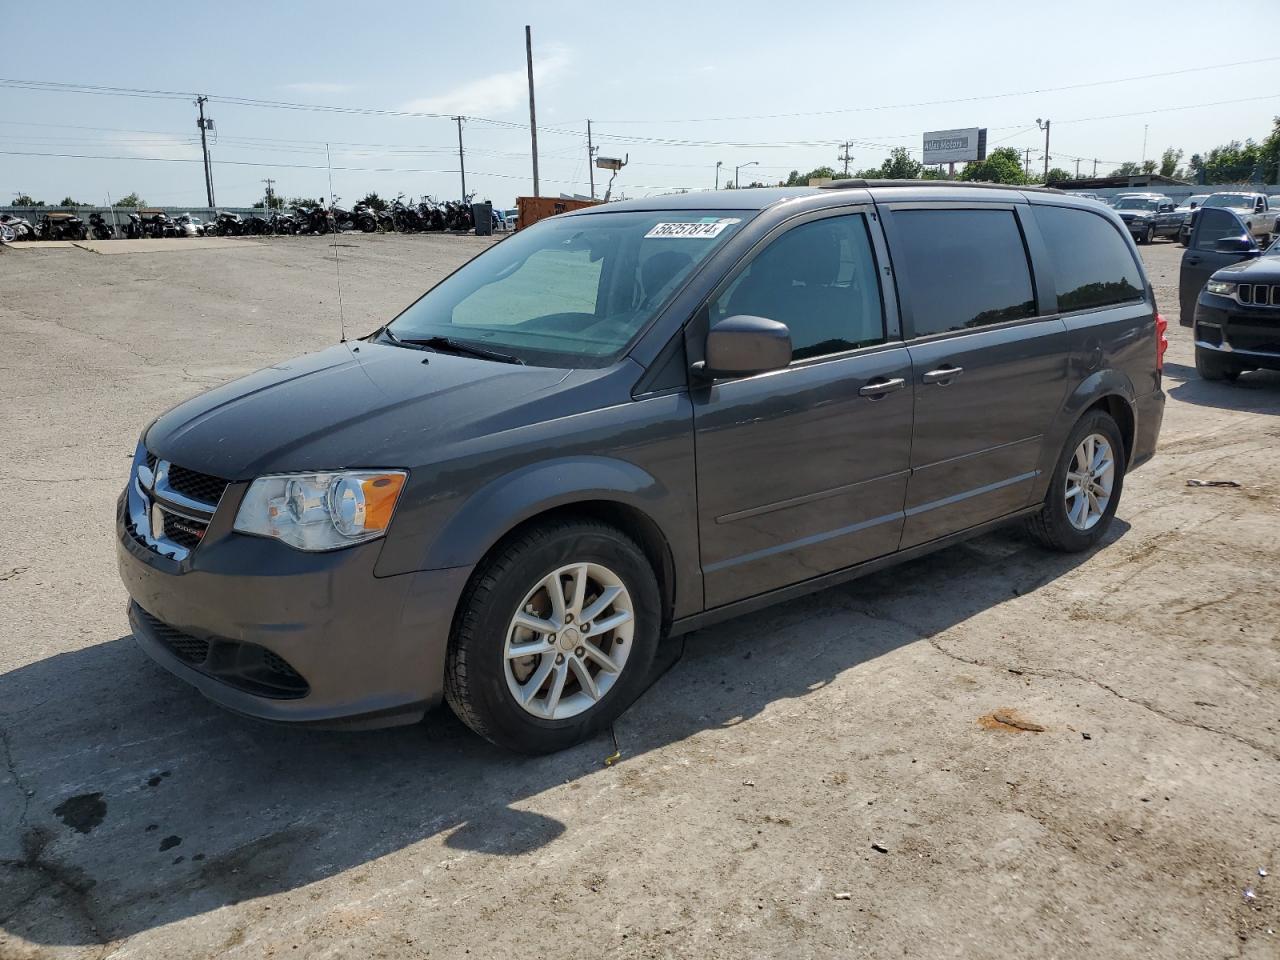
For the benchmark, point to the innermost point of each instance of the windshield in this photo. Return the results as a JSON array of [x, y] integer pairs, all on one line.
[[569, 291], [1236, 201], [1137, 203]]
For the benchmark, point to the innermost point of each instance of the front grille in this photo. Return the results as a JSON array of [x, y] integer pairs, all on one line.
[[245, 666], [1259, 294], [184, 646], [197, 486], [185, 533]]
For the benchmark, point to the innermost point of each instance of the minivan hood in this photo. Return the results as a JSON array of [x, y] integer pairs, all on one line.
[[354, 405]]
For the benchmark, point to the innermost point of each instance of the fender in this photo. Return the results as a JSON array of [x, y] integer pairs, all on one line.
[[1097, 386], [509, 500]]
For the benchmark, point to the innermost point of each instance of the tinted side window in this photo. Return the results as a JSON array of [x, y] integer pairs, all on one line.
[[1214, 223], [820, 280], [1091, 261], [967, 268]]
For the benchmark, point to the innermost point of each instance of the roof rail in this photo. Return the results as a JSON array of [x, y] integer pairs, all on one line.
[[857, 182]]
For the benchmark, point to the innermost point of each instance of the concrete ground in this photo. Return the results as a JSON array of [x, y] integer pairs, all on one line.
[[823, 779]]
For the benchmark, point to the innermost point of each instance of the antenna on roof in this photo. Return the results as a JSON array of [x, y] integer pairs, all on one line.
[[342, 320]]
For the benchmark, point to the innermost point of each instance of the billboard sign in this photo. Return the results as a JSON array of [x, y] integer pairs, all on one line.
[[955, 146]]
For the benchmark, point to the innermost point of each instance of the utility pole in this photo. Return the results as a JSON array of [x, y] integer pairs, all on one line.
[[533, 116], [269, 182], [204, 125], [719, 164], [1144, 144], [1045, 127], [846, 157], [462, 166], [1026, 162], [1077, 168], [1095, 166], [591, 161]]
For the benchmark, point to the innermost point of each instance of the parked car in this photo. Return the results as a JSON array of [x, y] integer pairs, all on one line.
[[637, 419], [1187, 209], [1148, 215], [1230, 297], [1260, 216], [191, 226]]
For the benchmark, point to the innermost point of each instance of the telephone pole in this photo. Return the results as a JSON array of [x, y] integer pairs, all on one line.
[[846, 157], [1077, 168], [205, 124], [1026, 162], [462, 166], [533, 117], [1095, 166], [1045, 127], [591, 161]]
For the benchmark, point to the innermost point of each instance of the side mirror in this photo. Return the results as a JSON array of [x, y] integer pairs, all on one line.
[[1259, 206], [741, 345], [1236, 245]]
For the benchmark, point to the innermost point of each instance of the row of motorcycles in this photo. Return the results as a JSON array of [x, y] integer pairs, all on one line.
[[400, 216]]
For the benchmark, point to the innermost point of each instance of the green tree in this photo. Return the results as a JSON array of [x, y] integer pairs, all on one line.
[[1003, 165], [1233, 162], [68, 202], [374, 201], [900, 165], [1057, 175], [296, 202], [798, 179], [1269, 154], [132, 200], [26, 200], [1169, 161], [1130, 168]]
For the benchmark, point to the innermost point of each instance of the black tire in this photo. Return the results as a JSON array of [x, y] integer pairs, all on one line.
[[1149, 236], [475, 671], [1211, 366], [1051, 527]]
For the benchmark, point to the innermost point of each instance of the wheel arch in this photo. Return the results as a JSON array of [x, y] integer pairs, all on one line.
[[1108, 390]]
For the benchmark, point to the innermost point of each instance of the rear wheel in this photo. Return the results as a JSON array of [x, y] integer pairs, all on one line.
[[1212, 366], [1085, 488], [554, 637]]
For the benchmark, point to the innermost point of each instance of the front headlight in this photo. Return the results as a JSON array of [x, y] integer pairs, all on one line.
[[321, 511], [1221, 287]]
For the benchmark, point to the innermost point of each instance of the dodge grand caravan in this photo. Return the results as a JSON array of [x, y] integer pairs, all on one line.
[[631, 421]]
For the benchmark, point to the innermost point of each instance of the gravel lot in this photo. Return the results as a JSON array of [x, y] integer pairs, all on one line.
[[816, 780]]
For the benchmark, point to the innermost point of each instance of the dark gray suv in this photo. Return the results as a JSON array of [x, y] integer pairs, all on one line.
[[632, 421]]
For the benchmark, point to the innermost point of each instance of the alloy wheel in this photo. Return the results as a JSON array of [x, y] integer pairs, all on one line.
[[1090, 479], [568, 642]]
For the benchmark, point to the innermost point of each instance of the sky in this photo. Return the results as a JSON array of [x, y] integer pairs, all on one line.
[[673, 87]]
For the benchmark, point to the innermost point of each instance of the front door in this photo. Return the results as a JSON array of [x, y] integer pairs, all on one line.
[[990, 370], [1202, 257], [802, 471]]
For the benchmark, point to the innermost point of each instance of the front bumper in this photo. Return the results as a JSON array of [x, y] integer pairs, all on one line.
[[1138, 228], [1249, 334], [369, 650]]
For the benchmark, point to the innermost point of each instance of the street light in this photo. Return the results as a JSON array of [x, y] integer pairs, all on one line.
[[719, 164], [736, 182]]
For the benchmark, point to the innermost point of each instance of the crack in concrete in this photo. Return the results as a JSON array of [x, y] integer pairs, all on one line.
[[1055, 674], [18, 781], [34, 842]]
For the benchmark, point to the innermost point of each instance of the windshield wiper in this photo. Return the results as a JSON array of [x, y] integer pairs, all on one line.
[[449, 345]]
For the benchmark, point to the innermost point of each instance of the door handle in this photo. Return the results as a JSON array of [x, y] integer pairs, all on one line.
[[943, 375], [878, 388]]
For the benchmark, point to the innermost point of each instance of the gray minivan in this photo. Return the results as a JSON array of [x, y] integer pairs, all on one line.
[[631, 421]]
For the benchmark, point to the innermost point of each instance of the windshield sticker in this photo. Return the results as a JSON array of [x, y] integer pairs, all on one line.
[[689, 231]]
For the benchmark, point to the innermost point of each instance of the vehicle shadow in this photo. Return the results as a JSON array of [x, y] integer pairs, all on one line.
[[131, 803], [1255, 392]]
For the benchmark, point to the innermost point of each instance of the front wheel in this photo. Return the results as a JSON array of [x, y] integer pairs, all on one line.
[[555, 636], [1149, 235], [1211, 366], [1085, 488]]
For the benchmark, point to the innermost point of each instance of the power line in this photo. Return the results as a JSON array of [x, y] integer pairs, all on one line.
[[973, 99]]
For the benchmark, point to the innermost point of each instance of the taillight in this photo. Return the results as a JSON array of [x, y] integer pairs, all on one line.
[[1162, 341]]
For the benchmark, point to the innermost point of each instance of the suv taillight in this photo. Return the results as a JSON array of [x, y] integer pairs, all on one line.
[[1162, 341]]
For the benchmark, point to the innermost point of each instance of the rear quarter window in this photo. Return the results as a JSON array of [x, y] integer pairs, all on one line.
[[1092, 263]]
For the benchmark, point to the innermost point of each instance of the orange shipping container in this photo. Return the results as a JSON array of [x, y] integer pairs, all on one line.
[[533, 209]]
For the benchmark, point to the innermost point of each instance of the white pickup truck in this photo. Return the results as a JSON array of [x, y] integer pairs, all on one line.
[[1260, 213]]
